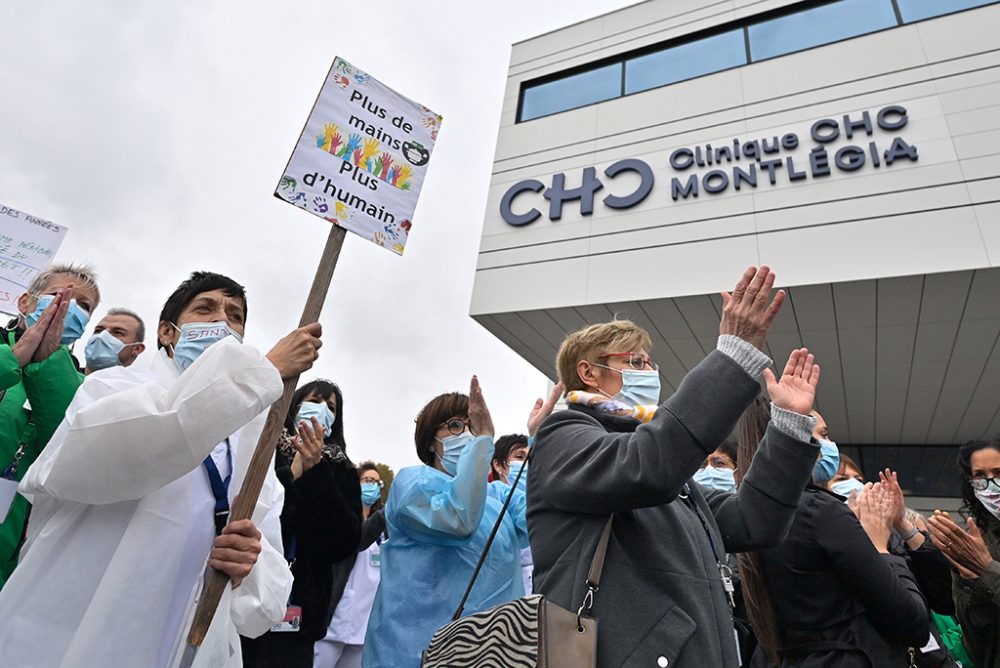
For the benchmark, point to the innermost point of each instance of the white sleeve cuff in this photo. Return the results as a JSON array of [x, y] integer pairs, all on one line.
[[798, 426], [743, 353]]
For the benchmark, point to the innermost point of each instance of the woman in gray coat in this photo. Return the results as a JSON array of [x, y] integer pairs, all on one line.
[[664, 598]]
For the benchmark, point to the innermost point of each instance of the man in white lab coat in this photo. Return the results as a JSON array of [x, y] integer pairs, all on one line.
[[131, 494]]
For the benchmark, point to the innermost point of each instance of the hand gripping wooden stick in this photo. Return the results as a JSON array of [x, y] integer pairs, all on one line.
[[217, 581]]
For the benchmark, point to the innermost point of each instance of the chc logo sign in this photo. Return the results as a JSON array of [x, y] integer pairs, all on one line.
[[736, 164]]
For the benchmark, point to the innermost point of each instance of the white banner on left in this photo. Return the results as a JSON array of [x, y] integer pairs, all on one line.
[[27, 246]]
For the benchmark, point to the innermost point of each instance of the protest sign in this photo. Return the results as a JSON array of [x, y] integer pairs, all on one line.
[[362, 157], [27, 246]]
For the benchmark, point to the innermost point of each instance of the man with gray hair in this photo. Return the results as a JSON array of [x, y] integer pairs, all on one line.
[[38, 378], [117, 341]]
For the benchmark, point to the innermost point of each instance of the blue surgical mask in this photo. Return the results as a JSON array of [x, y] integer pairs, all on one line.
[[73, 325], [102, 351], [197, 337], [453, 447], [639, 388], [513, 469], [717, 478], [845, 487], [320, 411], [370, 493], [828, 463]]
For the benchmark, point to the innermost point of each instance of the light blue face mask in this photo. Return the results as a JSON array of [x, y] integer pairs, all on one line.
[[845, 487], [370, 493], [102, 351], [717, 478], [513, 469], [639, 388], [320, 411], [453, 447], [828, 463], [73, 325], [197, 337]]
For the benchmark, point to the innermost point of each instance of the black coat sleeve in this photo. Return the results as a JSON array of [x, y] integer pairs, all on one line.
[[933, 574], [882, 582]]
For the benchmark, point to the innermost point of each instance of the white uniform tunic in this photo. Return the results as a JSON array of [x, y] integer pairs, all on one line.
[[117, 538], [351, 617]]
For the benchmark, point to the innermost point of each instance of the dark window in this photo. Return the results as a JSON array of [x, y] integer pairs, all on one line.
[[686, 61], [573, 91], [915, 10], [819, 25]]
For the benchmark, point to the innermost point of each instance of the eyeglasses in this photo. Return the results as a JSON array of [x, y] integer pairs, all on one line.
[[635, 360], [367, 479], [455, 426], [980, 484], [719, 462]]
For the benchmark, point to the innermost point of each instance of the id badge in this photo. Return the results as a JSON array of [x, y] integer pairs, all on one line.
[[8, 490], [376, 559], [292, 621]]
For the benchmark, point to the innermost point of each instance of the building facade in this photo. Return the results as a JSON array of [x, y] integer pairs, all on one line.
[[646, 157]]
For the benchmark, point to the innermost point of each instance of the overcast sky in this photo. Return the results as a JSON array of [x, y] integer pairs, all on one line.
[[157, 131]]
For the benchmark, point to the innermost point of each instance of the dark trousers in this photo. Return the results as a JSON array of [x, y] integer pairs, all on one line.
[[277, 650]]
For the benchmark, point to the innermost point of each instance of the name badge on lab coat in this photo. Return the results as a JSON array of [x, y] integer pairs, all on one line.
[[376, 559], [8, 489], [292, 621]]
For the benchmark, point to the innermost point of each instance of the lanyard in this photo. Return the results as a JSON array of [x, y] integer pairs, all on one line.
[[725, 572], [220, 488]]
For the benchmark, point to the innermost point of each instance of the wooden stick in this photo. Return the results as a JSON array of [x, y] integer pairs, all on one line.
[[260, 464]]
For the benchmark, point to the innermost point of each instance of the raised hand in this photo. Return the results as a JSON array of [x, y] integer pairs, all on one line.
[[36, 344], [479, 415], [796, 389], [745, 312], [543, 409], [308, 447], [894, 495], [966, 551], [873, 514]]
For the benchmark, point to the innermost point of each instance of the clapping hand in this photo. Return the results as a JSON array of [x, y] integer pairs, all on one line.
[[875, 515], [966, 551], [543, 409], [308, 447], [479, 415], [745, 312], [894, 496], [44, 337], [796, 389]]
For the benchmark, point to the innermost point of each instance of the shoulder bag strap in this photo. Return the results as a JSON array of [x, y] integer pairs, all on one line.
[[596, 565]]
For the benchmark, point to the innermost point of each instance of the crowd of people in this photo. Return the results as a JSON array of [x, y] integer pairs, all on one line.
[[733, 530]]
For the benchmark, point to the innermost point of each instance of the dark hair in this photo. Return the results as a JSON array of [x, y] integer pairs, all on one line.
[[437, 410], [324, 388], [846, 461], [731, 449], [970, 504], [756, 594], [194, 285], [369, 465], [502, 448]]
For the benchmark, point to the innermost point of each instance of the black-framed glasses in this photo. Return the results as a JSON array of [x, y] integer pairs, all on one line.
[[455, 426], [635, 360], [980, 484]]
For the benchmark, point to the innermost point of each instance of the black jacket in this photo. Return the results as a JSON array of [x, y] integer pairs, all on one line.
[[838, 602], [322, 519]]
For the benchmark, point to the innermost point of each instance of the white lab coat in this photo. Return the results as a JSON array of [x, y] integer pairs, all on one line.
[[110, 518]]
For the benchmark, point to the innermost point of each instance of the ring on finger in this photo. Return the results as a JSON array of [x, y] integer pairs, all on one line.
[[950, 543]]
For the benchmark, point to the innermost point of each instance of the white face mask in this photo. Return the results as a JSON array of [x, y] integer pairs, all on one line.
[[990, 498]]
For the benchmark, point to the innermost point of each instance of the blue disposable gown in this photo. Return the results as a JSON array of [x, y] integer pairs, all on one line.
[[438, 526]]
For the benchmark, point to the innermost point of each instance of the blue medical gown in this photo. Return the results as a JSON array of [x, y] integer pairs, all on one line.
[[438, 526]]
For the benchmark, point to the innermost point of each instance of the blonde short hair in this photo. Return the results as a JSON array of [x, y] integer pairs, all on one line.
[[589, 343]]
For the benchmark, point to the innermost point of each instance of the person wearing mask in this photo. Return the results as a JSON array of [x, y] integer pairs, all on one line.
[[831, 595], [320, 520], [664, 598], [848, 480], [828, 462], [131, 499], [38, 378], [439, 516], [975, 553], [719, 468], [117, 341], [511, 450], [355, 595]]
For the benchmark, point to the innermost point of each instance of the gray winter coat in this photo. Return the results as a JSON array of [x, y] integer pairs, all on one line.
[[661, 603]]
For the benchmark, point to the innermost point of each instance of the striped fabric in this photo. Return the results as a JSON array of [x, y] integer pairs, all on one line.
[[505, 636]]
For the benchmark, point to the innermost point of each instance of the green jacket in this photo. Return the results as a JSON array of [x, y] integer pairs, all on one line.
[[47, 387], [977, 604]]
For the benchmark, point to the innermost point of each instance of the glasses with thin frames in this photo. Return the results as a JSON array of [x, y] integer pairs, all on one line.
[[370, 479], [635, 361]]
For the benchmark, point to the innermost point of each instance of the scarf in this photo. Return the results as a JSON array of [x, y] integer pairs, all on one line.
[[331, 451], [605, 405]]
